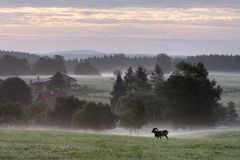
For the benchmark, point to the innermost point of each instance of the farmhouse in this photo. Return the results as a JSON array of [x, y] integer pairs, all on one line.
[[69, 83], [56, 86]]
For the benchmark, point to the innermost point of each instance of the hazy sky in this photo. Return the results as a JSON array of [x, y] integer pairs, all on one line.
[[145, 26]]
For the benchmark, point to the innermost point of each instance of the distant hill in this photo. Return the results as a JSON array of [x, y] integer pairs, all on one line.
[[31, 58]]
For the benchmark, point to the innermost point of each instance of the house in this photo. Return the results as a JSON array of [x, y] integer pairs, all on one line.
[[68, 81], [39, 86]]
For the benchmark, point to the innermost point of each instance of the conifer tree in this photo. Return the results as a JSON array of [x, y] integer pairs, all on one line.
[[118, 91], [129, 79], [231, 111], [156, 76], [141, 80]]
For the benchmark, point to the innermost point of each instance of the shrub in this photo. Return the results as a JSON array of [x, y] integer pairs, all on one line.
[[94, 116], [11, 114]]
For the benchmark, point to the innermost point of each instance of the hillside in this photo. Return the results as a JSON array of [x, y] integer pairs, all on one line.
[[44, 145]]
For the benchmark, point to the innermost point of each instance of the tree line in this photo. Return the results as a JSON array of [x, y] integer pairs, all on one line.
[[18, 108], [218, 62], [186, 98], [31, 58], [18, 63], [122, 62]]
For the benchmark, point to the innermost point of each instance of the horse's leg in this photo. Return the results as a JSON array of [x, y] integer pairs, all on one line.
[[166, 136]]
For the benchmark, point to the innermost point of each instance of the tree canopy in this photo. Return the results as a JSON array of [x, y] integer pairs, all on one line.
[[132, 113], [64, 109], [15, 90], [49, 66], [192, 96], [85, 68], [11, 66], [11, 113], [95, 116]]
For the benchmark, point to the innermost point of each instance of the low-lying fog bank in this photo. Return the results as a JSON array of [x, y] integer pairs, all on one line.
[[144, 132]]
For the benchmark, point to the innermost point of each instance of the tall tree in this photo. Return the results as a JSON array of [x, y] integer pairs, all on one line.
[[141, 80], [192, 97], [164, 61], [232, 114], [15, 90], [129, 79], [132, 113], [156, 76], [118, 91]]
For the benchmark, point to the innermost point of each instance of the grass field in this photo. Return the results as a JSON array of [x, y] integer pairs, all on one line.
[[18, 144], [231, 87]]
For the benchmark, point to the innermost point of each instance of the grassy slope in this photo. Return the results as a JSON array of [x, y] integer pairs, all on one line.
[[20, 144]]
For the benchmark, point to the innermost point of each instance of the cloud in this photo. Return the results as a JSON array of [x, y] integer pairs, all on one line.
[[78, 16], [121, 3], [51, 23], [107, 24]]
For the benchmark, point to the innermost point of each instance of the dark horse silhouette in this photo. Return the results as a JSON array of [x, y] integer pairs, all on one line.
[[160, 134]]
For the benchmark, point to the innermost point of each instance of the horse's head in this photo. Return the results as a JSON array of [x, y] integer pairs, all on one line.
[[154, 130]]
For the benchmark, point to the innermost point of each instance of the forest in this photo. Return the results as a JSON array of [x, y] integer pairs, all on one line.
[[18, 63]]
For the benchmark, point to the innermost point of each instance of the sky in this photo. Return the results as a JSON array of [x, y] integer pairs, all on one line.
[[174, 27]]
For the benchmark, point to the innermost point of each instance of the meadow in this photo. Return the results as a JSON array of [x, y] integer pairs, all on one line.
[[20, 144], [230, 83]]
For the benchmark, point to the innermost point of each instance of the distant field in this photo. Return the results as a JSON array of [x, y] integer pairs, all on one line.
[[52, 145], [231, 87]]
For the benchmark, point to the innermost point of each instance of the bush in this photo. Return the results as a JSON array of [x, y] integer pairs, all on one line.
[[11, 114], [94, 116], [15, 90], [36, 113], [133, 114], [64, 109]]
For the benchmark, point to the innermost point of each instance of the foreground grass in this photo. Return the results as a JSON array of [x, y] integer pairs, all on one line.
[[43, 145]]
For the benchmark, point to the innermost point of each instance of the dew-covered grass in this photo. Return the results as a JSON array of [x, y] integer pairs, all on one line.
[[19, 144]]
